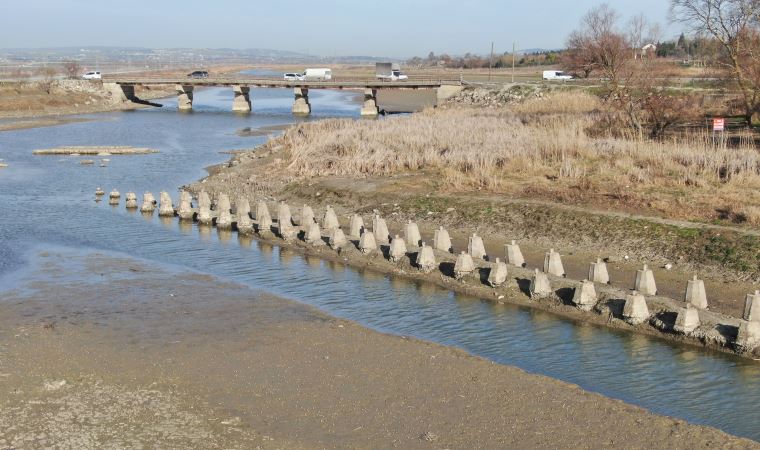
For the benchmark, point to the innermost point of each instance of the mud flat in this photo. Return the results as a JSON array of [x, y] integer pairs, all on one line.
[[133, 354], [90, 150], [38, 123]]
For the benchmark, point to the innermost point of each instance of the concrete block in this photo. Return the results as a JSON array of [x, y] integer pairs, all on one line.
[[356, 227], [185, 210], [553, 264], [99, 191], [695, 293], [426, 259], [263, 217], [464, 265], [476, 248], [597, 272], [367, 242], [369, 108], [752, 307], [635, 310], [204, 215], [242, 100], [514, 255], [301, 105], [585, 295], [244, 223], [412, 234], [645, 281], [165, 206], [148, 203], [223, 214], [398, 249], [382, 235], [283, 214], [337, 239], [748, 337], [131, 200], [184, 97], [330, 219], [242, 207], [498, 273], [313, 235], [442, 240], [540, 286], [687, 320], [204, 200], [113, 197], [307, 217]]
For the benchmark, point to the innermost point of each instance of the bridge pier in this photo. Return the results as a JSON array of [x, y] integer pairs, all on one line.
[[184, 97], [242, 101], [369, 108], [301, 106]]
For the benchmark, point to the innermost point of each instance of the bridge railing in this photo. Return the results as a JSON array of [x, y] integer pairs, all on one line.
[[237, 79]]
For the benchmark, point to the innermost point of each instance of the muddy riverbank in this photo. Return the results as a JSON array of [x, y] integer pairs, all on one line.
[[118, 351]]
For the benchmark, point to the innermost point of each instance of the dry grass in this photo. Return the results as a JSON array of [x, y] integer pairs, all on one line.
[[539, 147]]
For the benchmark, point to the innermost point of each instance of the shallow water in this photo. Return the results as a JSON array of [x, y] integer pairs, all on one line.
[[49, 201]]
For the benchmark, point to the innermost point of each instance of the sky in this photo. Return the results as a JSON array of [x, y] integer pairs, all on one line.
[[393, 28]]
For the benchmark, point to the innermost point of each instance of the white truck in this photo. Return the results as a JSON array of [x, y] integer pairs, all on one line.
[[389, 72], [317, 74], [556, 75]]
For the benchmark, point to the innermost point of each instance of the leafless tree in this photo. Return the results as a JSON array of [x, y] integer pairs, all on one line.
[[72, 69]]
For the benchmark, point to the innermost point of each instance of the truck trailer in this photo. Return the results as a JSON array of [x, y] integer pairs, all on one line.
[[389, 72]]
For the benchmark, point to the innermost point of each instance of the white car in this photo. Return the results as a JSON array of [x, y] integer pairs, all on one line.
[[293, 77], [92, 76]]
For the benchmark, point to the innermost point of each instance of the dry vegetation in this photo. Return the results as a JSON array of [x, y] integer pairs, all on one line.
[[540, 148]]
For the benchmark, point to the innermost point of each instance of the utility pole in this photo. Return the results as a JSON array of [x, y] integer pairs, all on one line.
[[513, 61], [490, 62]]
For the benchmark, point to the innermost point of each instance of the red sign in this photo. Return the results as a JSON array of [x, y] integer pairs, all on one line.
[[719, 124]]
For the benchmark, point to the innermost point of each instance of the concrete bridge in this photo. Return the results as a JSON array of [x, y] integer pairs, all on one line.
[[241, 86]]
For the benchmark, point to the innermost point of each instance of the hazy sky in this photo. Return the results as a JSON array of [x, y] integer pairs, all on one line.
[[323, 27]]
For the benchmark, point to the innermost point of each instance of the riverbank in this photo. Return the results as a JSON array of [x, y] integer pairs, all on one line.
[[133, 354]]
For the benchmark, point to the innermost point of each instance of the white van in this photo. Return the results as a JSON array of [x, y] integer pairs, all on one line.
[[557, 75], [92, 76], [317, 74]]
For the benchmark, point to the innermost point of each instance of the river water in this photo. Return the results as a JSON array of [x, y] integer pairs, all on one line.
[[48, 201]]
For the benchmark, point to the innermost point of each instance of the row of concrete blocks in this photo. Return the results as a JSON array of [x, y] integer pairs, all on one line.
[[635, 310]]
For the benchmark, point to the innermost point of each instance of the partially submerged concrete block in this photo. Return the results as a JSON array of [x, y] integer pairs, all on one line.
[[539, 285], [553, 264], [635, 310], [224, 216], [498, 274], [367, 242], [313, 235], [687, 320], [330, 219], [165, 207], [585, 295], [113, 197], [356, 227], [752, 307], [131, 200], [337, 239], [695, 293], [476, 248], [748, 337], [645, 281], [185, 210], [99, 191], [464, 265], [204, 215], [380, 228], [263, 218], [244, 223], [426, 259], [412, 234], [204, 201], [148, 203], [597, 272], [442, 240], [514, 255], [397, 251], [307, 217]]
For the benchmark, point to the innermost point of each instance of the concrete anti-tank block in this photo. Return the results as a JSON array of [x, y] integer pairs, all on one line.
[[204, 201], [553, 264], [687, 320], [185, 210], [263, 217], [597, 272], [165, 206], [99, 191], [585, 295], [244, 223], [412, 234], [314, 235], [223, 214], [645, 281], [398, 249], [367, 242], [148, 203], [337, 239], [695, 293], [748, 337], [752, 307], [464, 265], [356, 226], [242, 207], [514, 255], [131, 200], [539, 285], [113, 197], [635, 310], [380, 228], [330, 219], [283, 214], [476, 248], [498, 273], [307, 217], [426, 259], [442, 240]]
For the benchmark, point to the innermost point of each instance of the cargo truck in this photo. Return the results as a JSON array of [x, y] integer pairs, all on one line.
[[389, 72]]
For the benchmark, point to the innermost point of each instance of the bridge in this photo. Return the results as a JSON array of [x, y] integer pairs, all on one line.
[[241, 86]]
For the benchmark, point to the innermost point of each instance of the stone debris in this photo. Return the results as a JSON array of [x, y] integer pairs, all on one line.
[[185, 210], [330, 219], [695, 293], [307, 217], [553, 264], [539, 285], [397, 251], [645, 281], [131, 200], [86, 162], [223, 217], [687, 320], [514, 255], [464, 265], [597, 272], [476, 248], [426, 259], [148, 203], [356, 227], [367, 242], [263, 218], [635, 310], [442, 240], [313, 235], [412, 234], [498, 273], [497, 96], [748, 337], [752, 307], [585, 295], [165, 207], [338, 239], [380, 228]]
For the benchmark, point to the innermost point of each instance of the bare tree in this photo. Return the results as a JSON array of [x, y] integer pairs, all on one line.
[[734, 24], [72, 69]]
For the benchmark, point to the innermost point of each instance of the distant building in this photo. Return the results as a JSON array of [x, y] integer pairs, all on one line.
[[648, 50]]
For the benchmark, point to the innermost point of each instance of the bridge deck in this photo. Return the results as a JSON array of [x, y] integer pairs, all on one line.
[[279, 83]]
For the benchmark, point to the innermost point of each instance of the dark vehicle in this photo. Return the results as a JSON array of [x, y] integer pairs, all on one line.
[[198, 74]]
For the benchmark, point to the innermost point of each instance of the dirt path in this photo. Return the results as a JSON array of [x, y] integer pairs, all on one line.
[[101, 351]]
